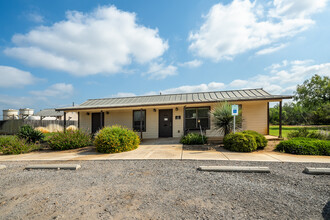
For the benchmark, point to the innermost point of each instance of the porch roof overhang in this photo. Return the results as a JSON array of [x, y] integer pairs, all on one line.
[[177, 99]]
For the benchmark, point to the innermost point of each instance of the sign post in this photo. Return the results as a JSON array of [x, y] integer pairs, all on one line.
[[234, 112]]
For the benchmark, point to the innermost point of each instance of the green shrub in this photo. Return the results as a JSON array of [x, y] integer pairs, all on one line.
[[116, 139], [240, 142], [193, 138], [260, 139], [15, 145], [303, 132], [30, 134], [71, 139], [305, 146]]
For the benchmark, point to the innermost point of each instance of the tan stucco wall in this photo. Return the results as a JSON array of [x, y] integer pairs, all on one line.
[[119, 117], [85, 121], [254, 115]]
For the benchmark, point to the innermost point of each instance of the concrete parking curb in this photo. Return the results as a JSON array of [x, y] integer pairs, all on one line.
[[234, 169], [2, 167], [317, 171], [54, 166]]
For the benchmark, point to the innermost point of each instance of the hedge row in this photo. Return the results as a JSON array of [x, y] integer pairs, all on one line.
[[305, 146]]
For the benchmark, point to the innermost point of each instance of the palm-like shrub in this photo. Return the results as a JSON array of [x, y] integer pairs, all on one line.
[[223, 120], [30, 134]]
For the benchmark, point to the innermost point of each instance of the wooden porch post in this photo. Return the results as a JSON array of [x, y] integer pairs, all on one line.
[[78, 120], [141, 123], [184, 120], [101, 118], [64, 124], [280, 121], [268, 118]]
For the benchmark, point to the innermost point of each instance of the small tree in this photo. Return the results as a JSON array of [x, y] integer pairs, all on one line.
[[223, 120]]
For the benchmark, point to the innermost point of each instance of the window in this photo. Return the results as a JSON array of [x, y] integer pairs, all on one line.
[[137, 120], [197, 116]]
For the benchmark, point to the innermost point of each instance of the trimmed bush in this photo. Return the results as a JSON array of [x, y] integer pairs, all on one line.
[[30, 134], [305, 146], [193, 138], [116, 139], [16, 145], [71, 139], [303, 132], [240, 142], [260, 139]]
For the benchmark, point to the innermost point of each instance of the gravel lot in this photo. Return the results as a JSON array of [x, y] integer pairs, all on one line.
[[162, 189]]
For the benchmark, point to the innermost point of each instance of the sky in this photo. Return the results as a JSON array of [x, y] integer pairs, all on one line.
[[54, 53]]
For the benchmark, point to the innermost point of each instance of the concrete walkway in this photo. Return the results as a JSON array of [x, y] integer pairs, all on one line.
[[165, 150]]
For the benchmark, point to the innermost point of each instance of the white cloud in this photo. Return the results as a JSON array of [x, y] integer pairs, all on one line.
[[290, 9], [213, 86], [160, 71], [270, 49], [241, 26], [104, 41], [123, 94], [58, 90], [191, 64], [12, 77], [284, 77], [35, 17]]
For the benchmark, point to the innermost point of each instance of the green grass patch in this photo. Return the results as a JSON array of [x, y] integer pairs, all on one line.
[[274, 129]]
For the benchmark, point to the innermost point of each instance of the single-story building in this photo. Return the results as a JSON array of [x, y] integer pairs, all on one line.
[[173, 115]]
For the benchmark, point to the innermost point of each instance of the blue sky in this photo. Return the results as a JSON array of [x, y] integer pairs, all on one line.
[[53, 53]]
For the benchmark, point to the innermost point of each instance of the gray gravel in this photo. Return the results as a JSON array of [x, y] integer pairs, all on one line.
[[163, 189]]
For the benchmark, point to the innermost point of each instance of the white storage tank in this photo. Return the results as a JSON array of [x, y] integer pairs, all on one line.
[[9, 114], [25, 112]]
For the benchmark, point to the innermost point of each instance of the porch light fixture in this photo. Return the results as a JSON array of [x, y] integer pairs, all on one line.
[[154, 110], [107, 113], [176, 109], [87, 113]]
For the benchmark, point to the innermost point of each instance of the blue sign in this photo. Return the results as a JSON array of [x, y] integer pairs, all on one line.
[[234, 110]]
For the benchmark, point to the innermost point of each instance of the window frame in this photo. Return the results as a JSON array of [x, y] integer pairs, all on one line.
[[145, 121], [197, 118]]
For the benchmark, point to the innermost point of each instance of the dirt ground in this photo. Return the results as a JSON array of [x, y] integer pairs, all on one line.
[[162, 189]]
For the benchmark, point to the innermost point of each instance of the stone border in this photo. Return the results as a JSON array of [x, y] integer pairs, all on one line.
[[234, 169], [317, 170], [54, 166], [2, 167]]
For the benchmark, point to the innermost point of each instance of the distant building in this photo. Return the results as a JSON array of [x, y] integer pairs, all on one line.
[[52, 114]]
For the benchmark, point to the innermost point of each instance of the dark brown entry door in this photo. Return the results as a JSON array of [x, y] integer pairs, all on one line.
[[165, 123], [97, 121]]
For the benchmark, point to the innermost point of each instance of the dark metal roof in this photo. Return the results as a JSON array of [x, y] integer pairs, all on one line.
[[184, 98], [49, 113]]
